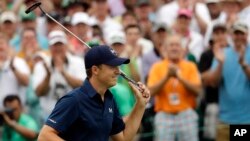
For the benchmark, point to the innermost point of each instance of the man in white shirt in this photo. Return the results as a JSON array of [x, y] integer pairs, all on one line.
[[14, 72], [61, 73]]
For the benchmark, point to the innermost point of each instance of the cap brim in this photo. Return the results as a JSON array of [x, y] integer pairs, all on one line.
[[240, 30], [118, 61], [117, 42], [56, 40]]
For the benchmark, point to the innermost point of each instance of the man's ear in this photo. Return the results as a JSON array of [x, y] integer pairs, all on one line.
[[95, 70]]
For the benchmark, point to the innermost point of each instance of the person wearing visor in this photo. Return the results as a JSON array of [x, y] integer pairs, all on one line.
[[89, 112]]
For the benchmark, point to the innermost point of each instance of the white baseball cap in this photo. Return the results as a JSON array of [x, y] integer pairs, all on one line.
[[8, 16], [80, 17], [116, 37], [57, 36]]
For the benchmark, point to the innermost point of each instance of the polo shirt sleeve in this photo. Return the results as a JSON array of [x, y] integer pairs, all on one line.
[[118, 125], [66, 111]]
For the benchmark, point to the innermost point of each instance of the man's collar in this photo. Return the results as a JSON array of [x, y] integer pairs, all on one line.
[[89, 88], [91, 92]]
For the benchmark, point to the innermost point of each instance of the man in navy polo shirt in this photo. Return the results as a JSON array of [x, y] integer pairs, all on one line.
[[89, 112]]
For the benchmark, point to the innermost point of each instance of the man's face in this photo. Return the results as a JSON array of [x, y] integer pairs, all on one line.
[[81, 29], [16, 107], [214, 8], [8, 27], [128, 20], [101, 7], [107, 75], [58, 49], [29, 38], [143, 11], [183, 21], [118, 47], [173, 48], [132, 35], [239, 38], [219, 35], [158, 36]]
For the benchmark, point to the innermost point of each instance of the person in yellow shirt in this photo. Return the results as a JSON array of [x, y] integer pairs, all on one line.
[[175, 83], [29, 46]]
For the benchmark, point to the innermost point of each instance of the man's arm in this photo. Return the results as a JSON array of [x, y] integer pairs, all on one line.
[[246, 69], [72, 81], [43, 88], [63, 115], [22, 78], [158, 86], [133, 121], [48, 133], [242, 62], [213, 76], [195, 89]]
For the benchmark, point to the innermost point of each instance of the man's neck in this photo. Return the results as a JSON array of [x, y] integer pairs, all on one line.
[[99, 87]]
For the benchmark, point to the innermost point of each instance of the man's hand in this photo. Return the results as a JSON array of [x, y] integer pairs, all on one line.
[[59, 63], [242, 55], [142, 96], [8, 120], [172, 70], [218, 52]]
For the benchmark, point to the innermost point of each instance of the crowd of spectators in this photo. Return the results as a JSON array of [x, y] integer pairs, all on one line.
[[194, 56]]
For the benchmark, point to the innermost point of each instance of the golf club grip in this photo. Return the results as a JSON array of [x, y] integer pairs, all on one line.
[[31, 8]]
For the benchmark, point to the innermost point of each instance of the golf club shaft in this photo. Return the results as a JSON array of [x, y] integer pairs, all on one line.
[[121, 72], [67, 30]]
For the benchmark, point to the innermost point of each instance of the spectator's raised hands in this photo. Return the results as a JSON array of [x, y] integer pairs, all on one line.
[[59, 63], [172, 70]]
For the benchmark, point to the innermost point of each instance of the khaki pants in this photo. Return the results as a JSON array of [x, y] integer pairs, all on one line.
[[223, 132]]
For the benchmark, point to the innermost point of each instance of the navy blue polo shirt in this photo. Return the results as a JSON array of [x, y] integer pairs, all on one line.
[[82, 115]]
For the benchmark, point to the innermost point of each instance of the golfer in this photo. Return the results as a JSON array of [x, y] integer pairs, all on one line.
[[89, 113]]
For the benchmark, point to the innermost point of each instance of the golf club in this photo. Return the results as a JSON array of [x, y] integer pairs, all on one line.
[[38, 4]]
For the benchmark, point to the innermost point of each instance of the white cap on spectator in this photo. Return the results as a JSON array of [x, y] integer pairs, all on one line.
[[80, 17], [116, 37], [8, 16], [57, 36], [240, 26], [212, 1]]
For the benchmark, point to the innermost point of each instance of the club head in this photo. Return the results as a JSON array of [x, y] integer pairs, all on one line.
[[32, 7]]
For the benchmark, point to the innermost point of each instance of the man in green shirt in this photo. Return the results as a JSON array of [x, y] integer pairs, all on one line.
[[17, 125]]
